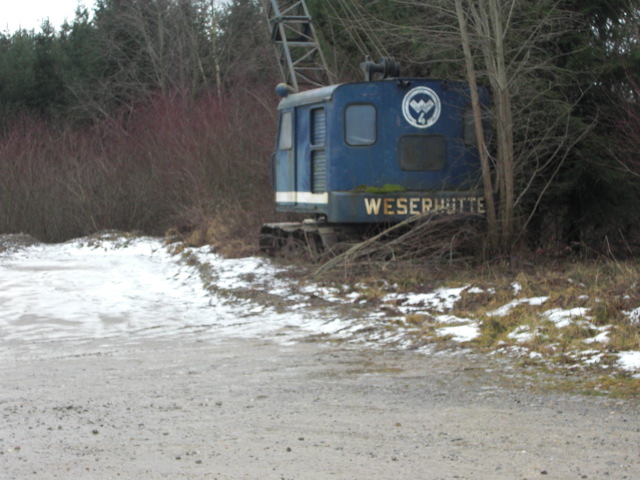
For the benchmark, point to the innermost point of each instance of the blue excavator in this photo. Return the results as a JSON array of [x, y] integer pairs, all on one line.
[[350, 156]]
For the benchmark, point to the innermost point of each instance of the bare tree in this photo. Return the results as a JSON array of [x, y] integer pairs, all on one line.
[[509, 45]]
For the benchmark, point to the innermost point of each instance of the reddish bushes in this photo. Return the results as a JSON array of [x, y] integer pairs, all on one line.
[[173, 162]]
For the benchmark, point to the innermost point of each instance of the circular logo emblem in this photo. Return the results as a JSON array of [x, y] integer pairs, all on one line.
[[421, 107]]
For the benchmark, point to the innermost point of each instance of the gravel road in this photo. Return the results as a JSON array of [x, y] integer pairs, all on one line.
[[253, 409]]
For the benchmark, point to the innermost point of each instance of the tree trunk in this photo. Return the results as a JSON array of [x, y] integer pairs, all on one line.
[[214, 47], [492, 227], [489, 24], [504, 128]]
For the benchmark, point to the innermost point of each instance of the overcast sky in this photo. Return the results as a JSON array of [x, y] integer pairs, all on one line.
[[29, 14]]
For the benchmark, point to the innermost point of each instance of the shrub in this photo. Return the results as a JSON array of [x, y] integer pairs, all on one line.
[[174, 161]]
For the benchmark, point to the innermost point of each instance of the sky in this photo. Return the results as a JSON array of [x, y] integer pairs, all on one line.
[[29, 14]]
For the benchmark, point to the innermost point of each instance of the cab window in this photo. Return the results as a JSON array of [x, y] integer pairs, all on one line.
[[360, 125], [285, 139]]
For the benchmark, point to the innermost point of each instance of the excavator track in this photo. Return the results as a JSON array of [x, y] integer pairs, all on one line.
[[308, 239]]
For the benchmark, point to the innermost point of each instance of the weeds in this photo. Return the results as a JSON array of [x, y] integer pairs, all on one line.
[[624, 336]]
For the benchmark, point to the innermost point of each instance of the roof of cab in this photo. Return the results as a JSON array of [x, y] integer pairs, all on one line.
[[316, 95]]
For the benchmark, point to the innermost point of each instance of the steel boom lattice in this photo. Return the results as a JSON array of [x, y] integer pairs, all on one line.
[[301, 60]]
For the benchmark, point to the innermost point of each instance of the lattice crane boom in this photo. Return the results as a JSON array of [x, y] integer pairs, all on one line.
[[301, 61]]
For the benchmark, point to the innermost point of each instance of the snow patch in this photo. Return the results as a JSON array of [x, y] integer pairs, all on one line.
[[521, 334], [461, 333], [505, 309], [602, 337], [563, 318], [440, 300], [121, 288], [517, 288], [634, 316], [452, 319], [629, 361]]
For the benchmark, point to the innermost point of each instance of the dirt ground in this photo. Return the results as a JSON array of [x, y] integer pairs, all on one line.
[[253, 409]]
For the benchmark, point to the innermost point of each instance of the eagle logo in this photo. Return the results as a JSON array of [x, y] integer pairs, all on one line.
[[421, 107]]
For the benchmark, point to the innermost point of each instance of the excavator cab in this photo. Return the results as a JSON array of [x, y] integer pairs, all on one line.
[[378, 152]]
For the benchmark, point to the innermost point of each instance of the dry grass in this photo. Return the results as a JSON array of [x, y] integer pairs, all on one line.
[[606, 289], [231, 236]]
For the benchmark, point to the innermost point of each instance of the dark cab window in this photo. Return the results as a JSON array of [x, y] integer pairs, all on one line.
[[422, 152]]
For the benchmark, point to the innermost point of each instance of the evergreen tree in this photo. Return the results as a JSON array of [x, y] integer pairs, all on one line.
[[48, 94], [17, 72], [593, 191]]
